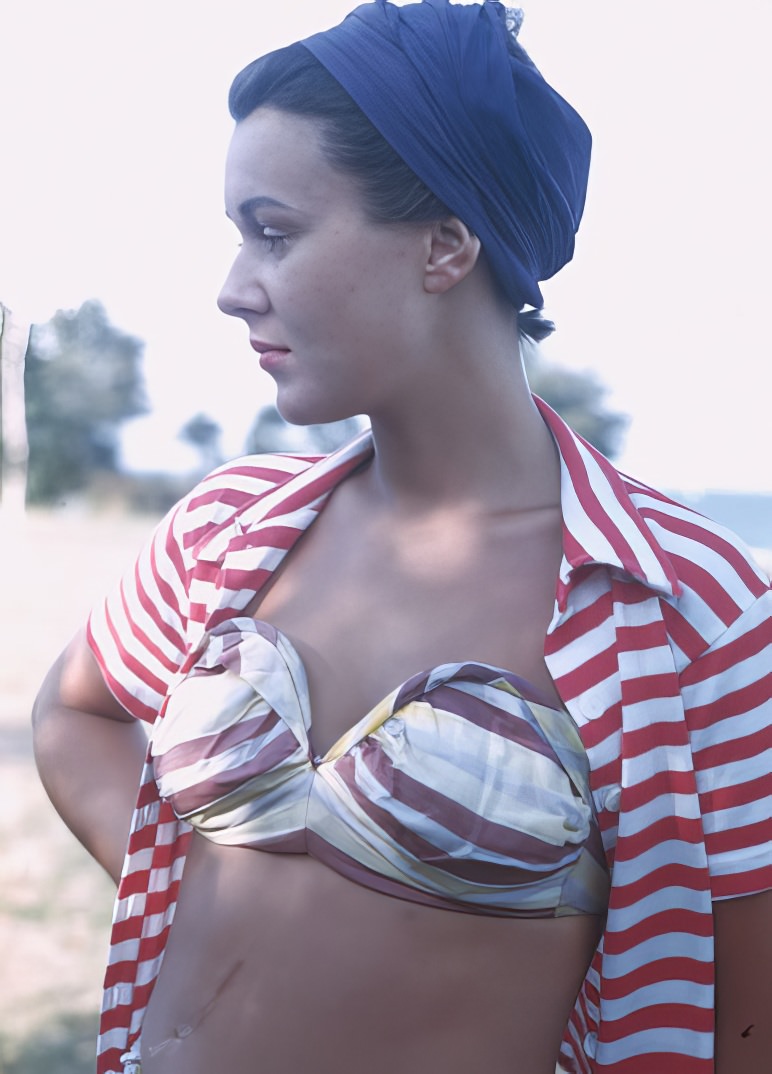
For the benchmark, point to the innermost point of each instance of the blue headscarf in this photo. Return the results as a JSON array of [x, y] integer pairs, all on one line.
[[460, 101]]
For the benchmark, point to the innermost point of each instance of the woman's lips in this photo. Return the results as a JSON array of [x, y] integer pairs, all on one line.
[[271, 355]]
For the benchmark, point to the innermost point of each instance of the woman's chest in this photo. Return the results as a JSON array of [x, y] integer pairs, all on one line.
[[368, 610]]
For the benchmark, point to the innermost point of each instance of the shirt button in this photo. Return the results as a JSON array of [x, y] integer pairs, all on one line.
[[593, 706], [590, 1045], [394, 725]]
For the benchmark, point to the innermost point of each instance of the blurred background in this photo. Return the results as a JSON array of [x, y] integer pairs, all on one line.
[[113, 246]]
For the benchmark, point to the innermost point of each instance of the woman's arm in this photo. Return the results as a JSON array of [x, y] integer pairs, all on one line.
[[89, 753], [743, 984]]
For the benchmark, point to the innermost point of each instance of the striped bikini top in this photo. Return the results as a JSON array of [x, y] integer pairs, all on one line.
[[460, 790]]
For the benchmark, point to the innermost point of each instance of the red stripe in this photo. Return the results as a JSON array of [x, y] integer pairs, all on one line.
[[671, 875], [628, 592], [655, 1016], [658, 784], [314, 488], [132, 705], [593, 507], [656, 735], [594, 670], [582, 623], [128, 660], [731, 653], [736, 703], [595, 732], [275, 536], [654, 973], [641, 636], [733, 750], [673, 919], [741, 837], [716, 799], [739, 884], [649, 688], [658, 1063], [709, 589], [678, 828], [699, 531], [686, 637]]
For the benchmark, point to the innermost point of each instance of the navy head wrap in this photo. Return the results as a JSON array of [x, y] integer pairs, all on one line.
[[462, 104]]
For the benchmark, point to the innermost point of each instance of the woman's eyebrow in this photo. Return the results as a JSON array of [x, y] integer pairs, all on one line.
[[246, 208]]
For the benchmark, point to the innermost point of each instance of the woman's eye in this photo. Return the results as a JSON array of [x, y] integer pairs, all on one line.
[[272, 237]]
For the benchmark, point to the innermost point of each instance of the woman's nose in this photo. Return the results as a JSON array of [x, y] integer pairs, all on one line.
[[242, 294]]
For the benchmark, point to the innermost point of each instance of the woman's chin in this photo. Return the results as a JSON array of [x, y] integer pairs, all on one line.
[[310, 412]]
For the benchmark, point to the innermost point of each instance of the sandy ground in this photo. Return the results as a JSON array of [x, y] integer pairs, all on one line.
[[55, 903]]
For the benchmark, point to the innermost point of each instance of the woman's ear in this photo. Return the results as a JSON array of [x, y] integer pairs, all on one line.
[[453, 253]]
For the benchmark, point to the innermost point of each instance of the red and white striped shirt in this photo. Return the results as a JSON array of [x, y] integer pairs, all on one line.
[[661, 649]]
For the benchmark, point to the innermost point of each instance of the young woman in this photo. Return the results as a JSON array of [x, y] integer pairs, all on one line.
[[458, 739]]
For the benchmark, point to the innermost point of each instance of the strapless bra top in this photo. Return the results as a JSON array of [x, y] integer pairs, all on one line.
[[461, 789]]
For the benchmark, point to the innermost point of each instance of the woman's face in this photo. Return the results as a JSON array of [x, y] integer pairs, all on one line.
[[334, 303]]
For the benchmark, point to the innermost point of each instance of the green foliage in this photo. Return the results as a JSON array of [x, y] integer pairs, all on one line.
[[83, 379]]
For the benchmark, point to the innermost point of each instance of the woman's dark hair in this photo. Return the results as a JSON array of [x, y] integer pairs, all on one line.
[[293, 80]]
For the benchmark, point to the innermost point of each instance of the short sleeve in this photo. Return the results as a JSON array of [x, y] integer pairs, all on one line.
[[141, 633], [137, 633], [727, 697]]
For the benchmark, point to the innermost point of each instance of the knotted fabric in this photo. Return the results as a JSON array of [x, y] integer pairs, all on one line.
[[460, 101]]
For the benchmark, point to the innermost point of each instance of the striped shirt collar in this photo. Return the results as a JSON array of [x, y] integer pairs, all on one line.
[[601, 524]]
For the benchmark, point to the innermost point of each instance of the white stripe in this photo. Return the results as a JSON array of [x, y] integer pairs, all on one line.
[[738, 862], [700, 552], [673, 991], [668, 852], [684, 898], [125, 951], [654, 1041], [685, 944], [596, 540], [659, 808]]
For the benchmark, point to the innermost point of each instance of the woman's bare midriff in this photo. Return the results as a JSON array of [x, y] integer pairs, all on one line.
[[278, 965]]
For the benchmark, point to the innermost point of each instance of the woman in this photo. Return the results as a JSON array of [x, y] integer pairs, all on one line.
[[429, 713]]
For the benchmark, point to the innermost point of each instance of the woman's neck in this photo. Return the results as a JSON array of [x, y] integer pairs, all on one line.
[[469, 433]]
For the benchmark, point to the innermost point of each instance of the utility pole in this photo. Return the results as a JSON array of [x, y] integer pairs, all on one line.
[[14, 336]]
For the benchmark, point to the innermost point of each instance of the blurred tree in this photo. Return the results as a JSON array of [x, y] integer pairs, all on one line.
[[578, 398], [203, 433], [83, 379]]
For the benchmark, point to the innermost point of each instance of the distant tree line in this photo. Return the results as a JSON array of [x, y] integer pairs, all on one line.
[[84, 379]]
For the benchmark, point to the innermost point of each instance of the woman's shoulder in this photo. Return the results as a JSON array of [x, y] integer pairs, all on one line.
[[235, 486]]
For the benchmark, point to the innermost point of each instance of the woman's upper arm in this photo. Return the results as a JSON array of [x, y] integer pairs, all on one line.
[[81, 684], [75, 682]]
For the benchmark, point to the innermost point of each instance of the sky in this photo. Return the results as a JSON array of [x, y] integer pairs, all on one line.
[[113, 136]]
